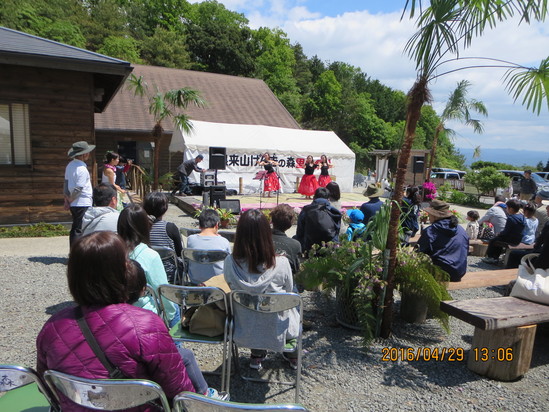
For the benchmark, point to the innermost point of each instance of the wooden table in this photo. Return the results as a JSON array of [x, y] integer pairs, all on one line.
[[505, 329]]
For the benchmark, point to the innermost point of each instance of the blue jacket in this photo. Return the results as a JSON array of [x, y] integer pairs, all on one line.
[[512, 233], [370, 209], [447, 246]]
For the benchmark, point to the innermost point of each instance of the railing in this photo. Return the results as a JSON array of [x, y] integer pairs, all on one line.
[[456, 184], [138, 181]]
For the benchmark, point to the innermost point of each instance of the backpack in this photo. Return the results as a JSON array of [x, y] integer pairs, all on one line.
[[486, 232], [322, 224]]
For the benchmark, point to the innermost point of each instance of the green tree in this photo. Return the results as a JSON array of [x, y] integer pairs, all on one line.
[[444, 28], [458, 107], [167, 49], [324, 104], [539, 166], [168, 105], [486, 180], [124, 48], [481, 164]]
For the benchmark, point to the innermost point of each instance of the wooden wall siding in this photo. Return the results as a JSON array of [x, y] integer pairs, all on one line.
[[60, 113]]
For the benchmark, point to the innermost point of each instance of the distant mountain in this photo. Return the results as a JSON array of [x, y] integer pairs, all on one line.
[[510, 156]]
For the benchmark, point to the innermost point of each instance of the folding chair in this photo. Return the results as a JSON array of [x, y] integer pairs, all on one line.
[[107, 394], [192, 402], [261, 304], [24, 390], [168, 254], [149, 290], [195, 296], [202, 257]]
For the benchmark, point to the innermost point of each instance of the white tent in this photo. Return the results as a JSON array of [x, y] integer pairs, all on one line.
[[246, 143]]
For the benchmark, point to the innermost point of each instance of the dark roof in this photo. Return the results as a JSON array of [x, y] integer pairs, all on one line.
[[22, 49], [229, 99]]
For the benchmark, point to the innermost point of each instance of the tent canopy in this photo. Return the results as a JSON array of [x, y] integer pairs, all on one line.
[[245, 144]]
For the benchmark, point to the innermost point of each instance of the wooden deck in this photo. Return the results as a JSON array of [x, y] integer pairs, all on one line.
[[485, 278]]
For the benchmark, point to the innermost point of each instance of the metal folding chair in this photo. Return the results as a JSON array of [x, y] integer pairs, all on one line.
[[202, 257], [195, 296], [149, 290], [24, 390], [192, 402], [261, 304], [107, 394], [168, 254]]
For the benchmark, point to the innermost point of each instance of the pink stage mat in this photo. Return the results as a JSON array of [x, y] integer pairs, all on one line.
[[272, 205]]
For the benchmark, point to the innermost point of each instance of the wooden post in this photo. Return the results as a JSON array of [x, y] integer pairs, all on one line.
[[297, 181], [240, 185], [502, 354]]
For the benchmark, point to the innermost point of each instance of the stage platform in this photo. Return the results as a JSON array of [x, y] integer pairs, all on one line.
[[190, 204]]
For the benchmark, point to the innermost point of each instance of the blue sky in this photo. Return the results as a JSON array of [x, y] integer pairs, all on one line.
[[371, 36]]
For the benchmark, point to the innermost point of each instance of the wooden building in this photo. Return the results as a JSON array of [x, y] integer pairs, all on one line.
[[49, 93], [126, 125]]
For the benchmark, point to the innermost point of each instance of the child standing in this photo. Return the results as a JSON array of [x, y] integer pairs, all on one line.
[[472, 227], [356, 227]]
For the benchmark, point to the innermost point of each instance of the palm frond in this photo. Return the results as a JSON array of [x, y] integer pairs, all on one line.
[[181, 98], [137, 85], [530, 83], [184, 122], [476, 152], [158, 108]]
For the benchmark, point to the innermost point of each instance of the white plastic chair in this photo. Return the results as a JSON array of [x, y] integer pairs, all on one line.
[[192, 402], [107, 394]]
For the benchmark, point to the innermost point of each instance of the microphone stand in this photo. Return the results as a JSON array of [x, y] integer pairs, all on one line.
[[279, 185]]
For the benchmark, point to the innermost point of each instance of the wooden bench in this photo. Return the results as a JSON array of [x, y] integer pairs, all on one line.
[[509, 249], [505, 328], [484, 278]]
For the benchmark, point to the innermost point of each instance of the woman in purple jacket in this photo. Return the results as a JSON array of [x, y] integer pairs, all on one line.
[[133, 339]]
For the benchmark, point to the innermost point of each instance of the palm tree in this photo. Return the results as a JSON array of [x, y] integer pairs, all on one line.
[[444, 28], [165, 105], [458, 107]]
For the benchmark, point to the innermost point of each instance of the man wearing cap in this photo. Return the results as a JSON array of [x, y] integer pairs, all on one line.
[[445, 240], [370, 208], [185, 169], [77, 188]]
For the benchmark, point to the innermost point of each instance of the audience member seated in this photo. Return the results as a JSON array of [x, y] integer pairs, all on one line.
[[282, 218], [531, 226], [510, 235], [103, 215], [541, 214], [356, 227], [134, 340], [335, 195], [516, 255], [255, 267], [164, 233], [496, 215], [410, 213], [472, 225], [445, 240], [371, 207], [207, 239], [318, 222], [542, 246], [134, 227]]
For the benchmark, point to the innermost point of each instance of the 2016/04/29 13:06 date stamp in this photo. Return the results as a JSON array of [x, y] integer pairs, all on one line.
[[481, 354]]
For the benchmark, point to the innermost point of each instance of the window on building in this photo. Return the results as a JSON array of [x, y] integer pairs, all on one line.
[[14, 134]]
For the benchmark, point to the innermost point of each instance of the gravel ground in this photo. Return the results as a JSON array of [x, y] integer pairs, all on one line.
[[337, 375]]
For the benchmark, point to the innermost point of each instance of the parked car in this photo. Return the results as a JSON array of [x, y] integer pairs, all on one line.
[[544, 175], [461, 173], [516, 177], [445, 175]]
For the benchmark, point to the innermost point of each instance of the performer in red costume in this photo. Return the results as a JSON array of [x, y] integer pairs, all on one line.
[[324, 177], [308, 184], [271, 183]]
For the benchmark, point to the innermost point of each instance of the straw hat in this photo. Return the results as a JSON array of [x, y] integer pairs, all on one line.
[[439, 209], [80, 148], [373, 191]]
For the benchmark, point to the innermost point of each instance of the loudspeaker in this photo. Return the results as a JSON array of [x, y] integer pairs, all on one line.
[[217, 193], [231, 204], [218, 158], [419, 163], [206, 198]]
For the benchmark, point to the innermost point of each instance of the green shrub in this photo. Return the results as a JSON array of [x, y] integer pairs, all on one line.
[[38, 230]]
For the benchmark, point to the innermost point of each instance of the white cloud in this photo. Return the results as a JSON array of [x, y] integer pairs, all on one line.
[[375, 44]]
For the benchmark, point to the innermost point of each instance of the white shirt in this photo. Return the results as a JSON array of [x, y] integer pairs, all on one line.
[[77, 175]]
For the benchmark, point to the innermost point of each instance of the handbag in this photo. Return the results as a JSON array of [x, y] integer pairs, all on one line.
[[532, 284], [114, 372], [208, 320]]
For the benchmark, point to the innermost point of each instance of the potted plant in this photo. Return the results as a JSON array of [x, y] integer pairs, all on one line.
[[226, 217], [422, 286]]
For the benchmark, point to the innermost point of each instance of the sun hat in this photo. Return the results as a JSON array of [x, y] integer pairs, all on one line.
[[438, 208], [80, 148], [373, 191], [355, 216]]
